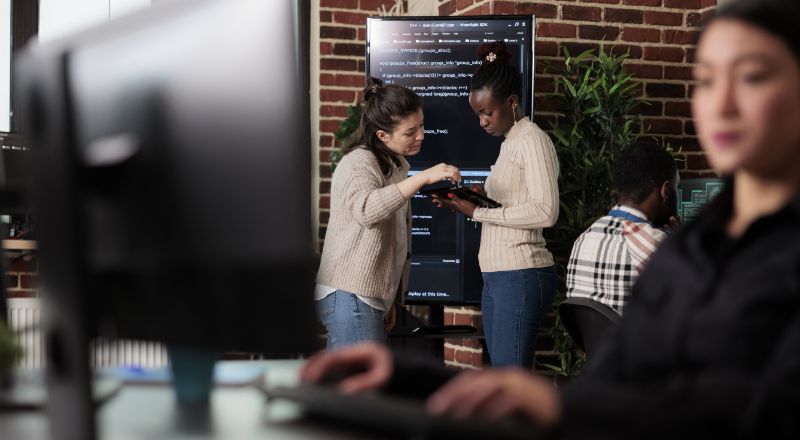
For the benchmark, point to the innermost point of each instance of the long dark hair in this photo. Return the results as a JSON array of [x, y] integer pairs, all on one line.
[[496, 72], [384, 105], [780, 18]]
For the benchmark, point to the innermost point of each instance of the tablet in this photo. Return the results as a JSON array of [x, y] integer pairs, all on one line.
[[464, 193]]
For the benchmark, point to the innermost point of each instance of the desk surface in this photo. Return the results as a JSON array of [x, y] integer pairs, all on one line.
[[149, 412]]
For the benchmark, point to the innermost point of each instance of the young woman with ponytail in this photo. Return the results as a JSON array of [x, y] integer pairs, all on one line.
[[366, 254]]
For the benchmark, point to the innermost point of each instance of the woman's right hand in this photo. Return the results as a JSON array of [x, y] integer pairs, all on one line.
[[441, 172], [362, 367], [498, 393], [433, 174]]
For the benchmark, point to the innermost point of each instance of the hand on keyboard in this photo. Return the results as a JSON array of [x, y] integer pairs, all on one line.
[[352, 370]]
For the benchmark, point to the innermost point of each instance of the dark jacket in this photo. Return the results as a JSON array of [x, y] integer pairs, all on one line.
[[710, 341], [709, 344]]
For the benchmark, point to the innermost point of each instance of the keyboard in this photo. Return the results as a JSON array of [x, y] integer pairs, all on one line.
[[394, 417]]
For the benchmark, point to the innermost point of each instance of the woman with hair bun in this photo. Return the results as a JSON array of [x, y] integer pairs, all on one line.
[[367, 247], [519, 278]]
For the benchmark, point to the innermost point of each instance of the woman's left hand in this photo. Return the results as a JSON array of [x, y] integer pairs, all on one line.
[[454, 203], [390, 318]]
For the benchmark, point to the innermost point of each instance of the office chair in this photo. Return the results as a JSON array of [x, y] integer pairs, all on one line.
[[587, 322]]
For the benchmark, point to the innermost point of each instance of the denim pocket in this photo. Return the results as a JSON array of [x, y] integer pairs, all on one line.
[[326, 306]]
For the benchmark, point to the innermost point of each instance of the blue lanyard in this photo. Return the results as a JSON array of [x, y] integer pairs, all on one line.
[[627, 216]]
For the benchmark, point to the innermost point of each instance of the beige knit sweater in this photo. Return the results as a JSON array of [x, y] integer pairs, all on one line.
[[524, 179], [359, 250]]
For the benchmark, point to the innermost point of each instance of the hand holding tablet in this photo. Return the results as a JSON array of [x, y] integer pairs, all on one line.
[[464, 193]]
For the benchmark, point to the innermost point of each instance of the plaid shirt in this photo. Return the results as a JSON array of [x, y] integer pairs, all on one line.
[[607, 258]]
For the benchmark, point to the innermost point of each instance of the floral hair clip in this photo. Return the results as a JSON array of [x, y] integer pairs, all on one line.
[[491, 57]]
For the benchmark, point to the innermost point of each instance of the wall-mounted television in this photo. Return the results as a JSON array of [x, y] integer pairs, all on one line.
[[436, 57]]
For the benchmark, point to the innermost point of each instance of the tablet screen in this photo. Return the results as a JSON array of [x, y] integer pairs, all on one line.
[[466, 194]]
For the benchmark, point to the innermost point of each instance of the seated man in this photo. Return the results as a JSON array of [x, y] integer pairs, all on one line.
[[607, 258]]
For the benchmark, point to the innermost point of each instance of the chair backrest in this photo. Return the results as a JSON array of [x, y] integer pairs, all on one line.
[[587, 321]]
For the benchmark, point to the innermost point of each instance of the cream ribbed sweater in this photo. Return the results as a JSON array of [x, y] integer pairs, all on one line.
[[360, 243], [524, 179]]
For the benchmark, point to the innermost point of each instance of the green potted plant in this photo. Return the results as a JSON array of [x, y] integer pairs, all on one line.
[[597, 99], [10, 352], [346, 128]]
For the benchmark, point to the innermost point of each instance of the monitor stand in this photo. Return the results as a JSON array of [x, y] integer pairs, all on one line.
[[434, 333], [192, 374]]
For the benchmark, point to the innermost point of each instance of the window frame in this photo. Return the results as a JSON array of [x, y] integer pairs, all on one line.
[[24, 26]]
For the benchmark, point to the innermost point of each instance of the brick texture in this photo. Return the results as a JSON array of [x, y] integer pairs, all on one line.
[[21, 274], [658, 34], [614, 15]]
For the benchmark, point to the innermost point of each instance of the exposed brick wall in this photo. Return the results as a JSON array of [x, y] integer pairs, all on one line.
[[659, 34], [21, 272], [463, 353]]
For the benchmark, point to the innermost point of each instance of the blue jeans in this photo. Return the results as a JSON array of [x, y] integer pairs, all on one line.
[[350, 320], [513, 304]]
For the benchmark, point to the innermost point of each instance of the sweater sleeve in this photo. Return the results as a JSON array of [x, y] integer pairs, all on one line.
[[540, 210], [367, 200]]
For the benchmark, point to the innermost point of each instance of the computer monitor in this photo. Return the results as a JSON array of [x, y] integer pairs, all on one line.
[[171, 186], [694, 194], [435, 57], [14, 186]]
